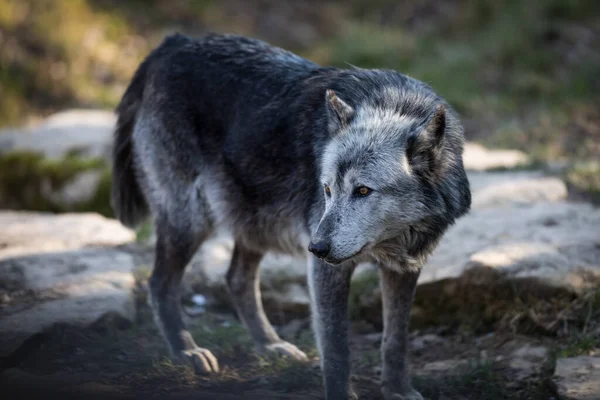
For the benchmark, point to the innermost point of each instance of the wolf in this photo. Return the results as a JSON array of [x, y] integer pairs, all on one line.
[[226, 133]]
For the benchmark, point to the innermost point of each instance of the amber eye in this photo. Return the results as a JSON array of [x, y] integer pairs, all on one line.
[[363, 190], [327, 190]]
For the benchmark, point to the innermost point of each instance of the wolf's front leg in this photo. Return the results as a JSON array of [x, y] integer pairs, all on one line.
[[397, 294], [329, 287], [244, 287]]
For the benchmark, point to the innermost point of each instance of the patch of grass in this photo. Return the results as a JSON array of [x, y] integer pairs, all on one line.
[[27, 180], [229, 337], [143, 232], [364, 285], [477, 380], [579, 344], [585, 177]]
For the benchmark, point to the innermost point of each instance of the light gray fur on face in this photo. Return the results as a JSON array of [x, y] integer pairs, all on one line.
[[371, 152]]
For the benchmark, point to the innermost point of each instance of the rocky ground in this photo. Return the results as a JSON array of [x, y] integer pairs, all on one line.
[[507, 307]]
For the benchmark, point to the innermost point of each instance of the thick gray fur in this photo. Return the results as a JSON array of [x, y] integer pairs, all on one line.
[[226, 133]]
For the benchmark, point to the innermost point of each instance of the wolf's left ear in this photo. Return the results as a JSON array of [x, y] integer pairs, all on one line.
[[338, 112], [425, 150]]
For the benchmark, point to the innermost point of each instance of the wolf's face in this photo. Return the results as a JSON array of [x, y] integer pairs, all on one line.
[[377, 175]]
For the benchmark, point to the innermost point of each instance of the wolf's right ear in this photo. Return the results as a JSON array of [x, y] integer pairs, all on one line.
[[339, 113], [425, 149]]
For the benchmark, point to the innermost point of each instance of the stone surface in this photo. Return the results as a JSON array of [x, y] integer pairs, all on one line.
[[510, 189], [444, 366], [85, 133], [556, 244], [81, 189], [34, 233], [478, 158], [578, 378], [89, 132], [76, 287], [61, 269], [528, 360], [423, 342]]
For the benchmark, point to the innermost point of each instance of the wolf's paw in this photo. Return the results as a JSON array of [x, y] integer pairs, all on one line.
[[201, 359], [411, 395], [285, 349]]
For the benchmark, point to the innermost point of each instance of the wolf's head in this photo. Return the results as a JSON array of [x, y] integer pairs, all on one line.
[[378, 174]]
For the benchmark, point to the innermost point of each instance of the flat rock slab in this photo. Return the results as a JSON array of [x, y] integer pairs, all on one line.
[[89, 132], [528, 360], [26, 233], [578, 378], [77, 287], [510, 189], [557, 244], [61, 269], [478, 158]]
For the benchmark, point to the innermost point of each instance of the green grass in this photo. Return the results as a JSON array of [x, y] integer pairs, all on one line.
[[365, 284], [585, 177], [579, 344], [27, 177], [477, 380], [143, 232]]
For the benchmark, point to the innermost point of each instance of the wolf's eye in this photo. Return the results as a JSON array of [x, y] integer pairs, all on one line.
[[362, 191], [327, 190]]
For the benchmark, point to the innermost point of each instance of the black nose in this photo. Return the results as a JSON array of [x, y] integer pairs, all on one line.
[[319, 249]]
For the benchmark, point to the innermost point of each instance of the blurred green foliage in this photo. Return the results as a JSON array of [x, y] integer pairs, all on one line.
[[523, 74]]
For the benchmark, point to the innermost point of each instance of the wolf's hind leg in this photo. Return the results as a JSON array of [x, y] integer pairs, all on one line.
[[243, 283], [176, 244]]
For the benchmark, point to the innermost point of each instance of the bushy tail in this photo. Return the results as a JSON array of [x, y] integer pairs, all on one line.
[[127, 199]]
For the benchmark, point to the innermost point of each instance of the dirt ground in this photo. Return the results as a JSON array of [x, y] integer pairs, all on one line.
[[114, 359]]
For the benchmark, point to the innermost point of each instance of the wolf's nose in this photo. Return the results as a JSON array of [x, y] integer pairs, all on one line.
[[319, 249]]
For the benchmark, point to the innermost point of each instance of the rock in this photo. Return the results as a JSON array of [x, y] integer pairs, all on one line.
[[87, 132], [59, 269], [553, 244], [420, 343], [514, 189], [290, 301], [291, 330], [528, 360], [477, 158], [578, 378], [60, 164], [444, 366], [75, 287], [283, 278], [35, 233], [81, 189]]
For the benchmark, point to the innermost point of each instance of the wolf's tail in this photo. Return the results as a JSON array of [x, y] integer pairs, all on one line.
[[126, 198]]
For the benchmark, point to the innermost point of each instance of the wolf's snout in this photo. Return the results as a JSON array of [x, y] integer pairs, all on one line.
[[320, 248]]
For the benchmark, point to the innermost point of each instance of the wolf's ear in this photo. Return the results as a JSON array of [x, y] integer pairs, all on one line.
[[338, 112], [425, 150]]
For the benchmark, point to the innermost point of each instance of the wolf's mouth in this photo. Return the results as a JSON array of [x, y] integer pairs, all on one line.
[[338, 261]]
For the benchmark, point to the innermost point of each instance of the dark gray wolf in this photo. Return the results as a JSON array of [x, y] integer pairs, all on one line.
[[229, 133]]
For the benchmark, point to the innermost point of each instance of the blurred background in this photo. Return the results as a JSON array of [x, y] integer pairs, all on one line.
[[523, 74], [514, 286]]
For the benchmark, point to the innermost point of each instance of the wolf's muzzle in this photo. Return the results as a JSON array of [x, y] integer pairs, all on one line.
[[320, 248]]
